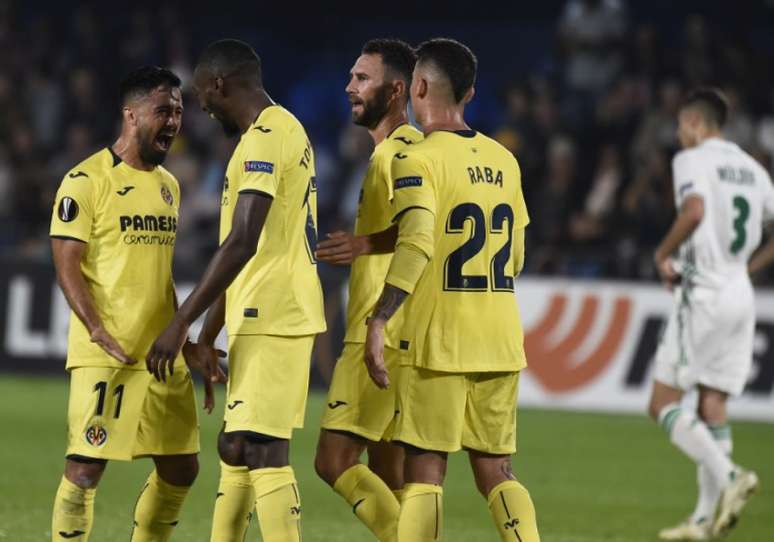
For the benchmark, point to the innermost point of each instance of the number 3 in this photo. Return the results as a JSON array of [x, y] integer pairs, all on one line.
[[743, 206]]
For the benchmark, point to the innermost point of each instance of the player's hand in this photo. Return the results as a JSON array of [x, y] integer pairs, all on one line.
[[341, 248], [667, 272], [105, 340], [200, 357], [374, 353], [164, 350]]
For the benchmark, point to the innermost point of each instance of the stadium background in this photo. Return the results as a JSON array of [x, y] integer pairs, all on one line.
[[584, 94]]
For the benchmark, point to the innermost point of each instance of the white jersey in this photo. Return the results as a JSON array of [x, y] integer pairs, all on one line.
[[738, 200]]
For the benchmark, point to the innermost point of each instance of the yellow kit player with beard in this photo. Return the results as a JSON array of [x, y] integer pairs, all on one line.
[[128, 220], [354, 404]]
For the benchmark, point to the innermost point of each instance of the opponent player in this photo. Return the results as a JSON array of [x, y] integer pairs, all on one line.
[[358, 412], [273, 303], [723, 197], [461, 217], [113, 233]]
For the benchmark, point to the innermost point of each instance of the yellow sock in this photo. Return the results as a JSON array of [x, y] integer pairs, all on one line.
[[513, 512], [157, 510], [421, 513], [73, 512], [371, 501], [233, 505], [277, 504]]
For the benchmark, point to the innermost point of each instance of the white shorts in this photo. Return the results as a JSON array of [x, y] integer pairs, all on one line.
[[708, 339]]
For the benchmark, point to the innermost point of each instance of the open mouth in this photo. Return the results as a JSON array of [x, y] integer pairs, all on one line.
[[164, 141]]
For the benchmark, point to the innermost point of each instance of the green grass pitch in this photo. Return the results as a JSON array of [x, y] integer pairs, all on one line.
[[593, 477]]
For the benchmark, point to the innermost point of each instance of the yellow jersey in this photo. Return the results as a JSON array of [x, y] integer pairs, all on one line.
[[463, 315], [278, 291], [374, 214], [128, 220]]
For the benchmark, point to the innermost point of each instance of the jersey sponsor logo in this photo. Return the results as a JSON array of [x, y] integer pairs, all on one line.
[[125, 190], [68, 209], [336, 404], [166, 195], [148, 223], [77, 174], [259, 166], [485, 174], [96, 435], [262, 129], [405, 182], [556, 362]]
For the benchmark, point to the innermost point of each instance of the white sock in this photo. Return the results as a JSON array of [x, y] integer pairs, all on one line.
[[709, 490], [691, 435]]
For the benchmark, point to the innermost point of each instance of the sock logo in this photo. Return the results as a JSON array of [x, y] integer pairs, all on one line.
[[219, 495], [235, 404], [358, 503], [336, 404], [295, 510], [512, 525], [71, 534]]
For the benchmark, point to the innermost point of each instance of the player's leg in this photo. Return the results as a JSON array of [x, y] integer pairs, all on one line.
[[489, 435], [235, 500], [421, 512], [102, 418], [358, 413], [73, 513], [429, 419], [169, 433], [508, 500], [268, 383], [385, 459]]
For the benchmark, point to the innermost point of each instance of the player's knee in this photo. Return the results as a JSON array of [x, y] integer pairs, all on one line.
[[654, 409], [231, 449], [490, 471], [84, 474], [178, 470], [326, 468], [387, 463]]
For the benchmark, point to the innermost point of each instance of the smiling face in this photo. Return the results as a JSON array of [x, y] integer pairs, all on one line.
[[369, 94], [157, 120], [209, 93]]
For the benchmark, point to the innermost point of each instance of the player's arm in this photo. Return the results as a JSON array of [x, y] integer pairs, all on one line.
[[518, 251], [250, 213], [341, 247], [688, 219], [413, 251], [68, 254]]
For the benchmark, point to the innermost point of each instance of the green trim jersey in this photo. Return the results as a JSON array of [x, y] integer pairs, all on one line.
[[278, 291], [463, 315], [374, 214], [128, 220]]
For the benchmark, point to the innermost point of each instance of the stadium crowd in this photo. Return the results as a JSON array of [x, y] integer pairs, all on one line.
[[593, 127]]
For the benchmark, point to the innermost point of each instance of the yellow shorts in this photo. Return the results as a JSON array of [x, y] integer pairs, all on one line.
[[448, 411], [120, 414], [268, 383], [354, 402]]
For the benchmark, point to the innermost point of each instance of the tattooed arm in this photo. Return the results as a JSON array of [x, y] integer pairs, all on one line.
[[391, 299]]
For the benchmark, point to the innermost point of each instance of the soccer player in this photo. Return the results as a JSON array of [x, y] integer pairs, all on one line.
[[723, 197], [113, 232], [461, 216], [358, 412], [272, 307]]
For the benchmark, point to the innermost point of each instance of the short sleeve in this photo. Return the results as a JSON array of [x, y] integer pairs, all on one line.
[[261, 161], [520, 214], [412, 183], [688, 177], [73, 212]]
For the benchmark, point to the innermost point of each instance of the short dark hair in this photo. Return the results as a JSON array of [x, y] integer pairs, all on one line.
[[454, 59], [396, 54], [710, 102], [143, 80], [230, 57]]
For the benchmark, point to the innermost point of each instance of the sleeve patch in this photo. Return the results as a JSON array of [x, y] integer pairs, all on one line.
[[68, 209], [405, 182], [257, 165]]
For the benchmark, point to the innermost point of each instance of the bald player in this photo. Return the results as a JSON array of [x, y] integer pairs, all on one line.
[[461, 216], [262, 284]]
